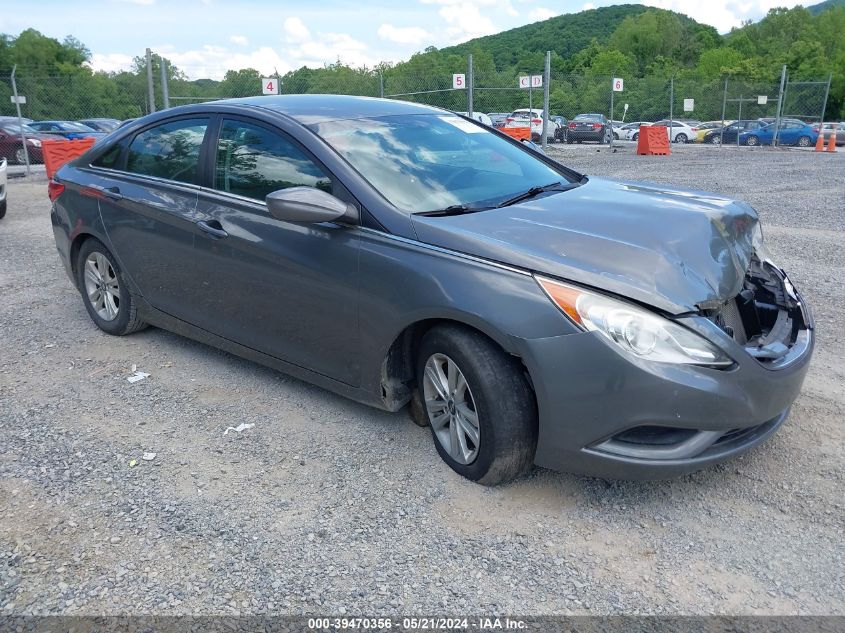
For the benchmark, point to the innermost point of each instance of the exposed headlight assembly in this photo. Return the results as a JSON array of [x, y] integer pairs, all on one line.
[[636, 330], [35, 142]]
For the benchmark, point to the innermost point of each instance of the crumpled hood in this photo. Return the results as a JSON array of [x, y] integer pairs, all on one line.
[[669, 248]]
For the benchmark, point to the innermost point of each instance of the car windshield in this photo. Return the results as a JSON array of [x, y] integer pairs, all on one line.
[[429, 162], [72, 126]]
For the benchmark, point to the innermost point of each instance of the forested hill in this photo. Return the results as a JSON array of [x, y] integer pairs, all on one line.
[[823, 6], [565, 34], [568, 34]]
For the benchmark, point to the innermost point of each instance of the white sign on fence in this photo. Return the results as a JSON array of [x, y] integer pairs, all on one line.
[[459, 81], [269, 86], [524, 81], [19, 99], [689, 105], [618, 84], [762, 99], [536, 81]]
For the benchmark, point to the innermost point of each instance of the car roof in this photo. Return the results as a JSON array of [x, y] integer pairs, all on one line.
[[310, 109]]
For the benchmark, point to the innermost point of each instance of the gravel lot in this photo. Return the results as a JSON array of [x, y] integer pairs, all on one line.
[[329, 507]]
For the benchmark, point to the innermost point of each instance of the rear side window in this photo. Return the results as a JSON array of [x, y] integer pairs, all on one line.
[[109, 158], [253, 161], [170, 150]]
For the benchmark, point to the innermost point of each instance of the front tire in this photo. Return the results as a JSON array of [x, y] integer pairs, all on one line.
[[681, 138], [104, 290], [636, 136], [752, 141], [3, 208], [482, 413]]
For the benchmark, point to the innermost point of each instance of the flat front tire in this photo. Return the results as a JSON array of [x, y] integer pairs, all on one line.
[[482, 413], [104, 290]]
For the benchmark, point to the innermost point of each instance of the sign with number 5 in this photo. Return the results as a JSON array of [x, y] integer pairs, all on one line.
[[458, 81], [618, 84], [269, 86]]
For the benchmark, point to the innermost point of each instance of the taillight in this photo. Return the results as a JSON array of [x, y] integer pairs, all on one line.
[[596, 126], [54, 190], [536, 121], [572, 126]]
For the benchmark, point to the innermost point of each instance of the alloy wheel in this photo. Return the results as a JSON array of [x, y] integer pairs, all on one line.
[[804, 141], [20, 156], [451, 408], [751, 140], [101, 286]]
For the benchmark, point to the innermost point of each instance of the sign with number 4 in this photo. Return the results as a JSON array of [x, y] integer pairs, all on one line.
[[458, 81], [269, 86], [618, 84]]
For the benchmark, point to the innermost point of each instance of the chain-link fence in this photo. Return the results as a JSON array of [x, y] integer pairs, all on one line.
[[84, 96]]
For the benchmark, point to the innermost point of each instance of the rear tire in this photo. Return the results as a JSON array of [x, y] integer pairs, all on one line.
[[635, 136], [471, 390], [681, 138], [3, 208], [104, 290], [752, 141], [804, 141]]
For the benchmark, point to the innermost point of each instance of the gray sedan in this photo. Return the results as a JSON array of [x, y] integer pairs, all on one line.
[[404, 256]]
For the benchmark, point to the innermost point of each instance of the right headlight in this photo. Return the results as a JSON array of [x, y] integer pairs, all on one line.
[[636, 330]]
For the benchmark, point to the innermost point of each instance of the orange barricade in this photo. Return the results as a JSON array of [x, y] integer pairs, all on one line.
[[653, 140], [519, 133], [57, 153]]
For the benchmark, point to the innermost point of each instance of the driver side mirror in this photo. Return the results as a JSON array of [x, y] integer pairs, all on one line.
[[308, 205]]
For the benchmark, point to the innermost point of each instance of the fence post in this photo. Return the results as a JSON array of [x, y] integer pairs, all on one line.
[[165, 93], [724, 107], [671, 105], [547, 71], [780, 106], [824, 103], [611, 106], [469, 84], [150, 89], [381, 84], [20, 120]]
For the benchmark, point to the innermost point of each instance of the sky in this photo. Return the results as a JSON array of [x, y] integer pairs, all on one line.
[[204, 38]]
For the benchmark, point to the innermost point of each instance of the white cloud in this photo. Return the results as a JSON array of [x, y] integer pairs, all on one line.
[[403, 35], [110, 62], [212, 62], [588, 6], [465, 21], [240, 40], [541, 13], [141, 2], [295, 30]]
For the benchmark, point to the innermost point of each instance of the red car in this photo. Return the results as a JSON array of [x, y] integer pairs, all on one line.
[[11, 146]]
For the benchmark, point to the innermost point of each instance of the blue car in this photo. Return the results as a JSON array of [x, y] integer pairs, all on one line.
[[791, 133], [67, 129]]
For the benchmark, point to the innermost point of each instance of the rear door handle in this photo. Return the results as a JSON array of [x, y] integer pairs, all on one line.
[[212, 227], [112, 193]]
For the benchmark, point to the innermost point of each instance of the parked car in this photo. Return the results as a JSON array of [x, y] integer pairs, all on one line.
[[729, 133], [790, 133], [11, 146], [14, 120], [828, 130], [630, 131], [524, 117], [68, 129], [561, 129], [3, 164], [101, 125], [678, 131], [704, 128], [499, 118], [478, 116], [393, 253], [589, 127]]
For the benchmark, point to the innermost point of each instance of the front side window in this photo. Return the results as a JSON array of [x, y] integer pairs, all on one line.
[[170, 150], [109, 158], [253, 161], [425, 162]]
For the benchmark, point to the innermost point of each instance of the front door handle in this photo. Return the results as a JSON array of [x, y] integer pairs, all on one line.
[[112, 193], [212, 227]]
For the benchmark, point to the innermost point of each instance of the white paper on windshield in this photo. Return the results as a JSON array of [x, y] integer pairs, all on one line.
[[461, 124]]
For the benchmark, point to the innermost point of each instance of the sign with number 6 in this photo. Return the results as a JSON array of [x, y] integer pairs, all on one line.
[[269, 86], [618, 84], [458, 81]]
